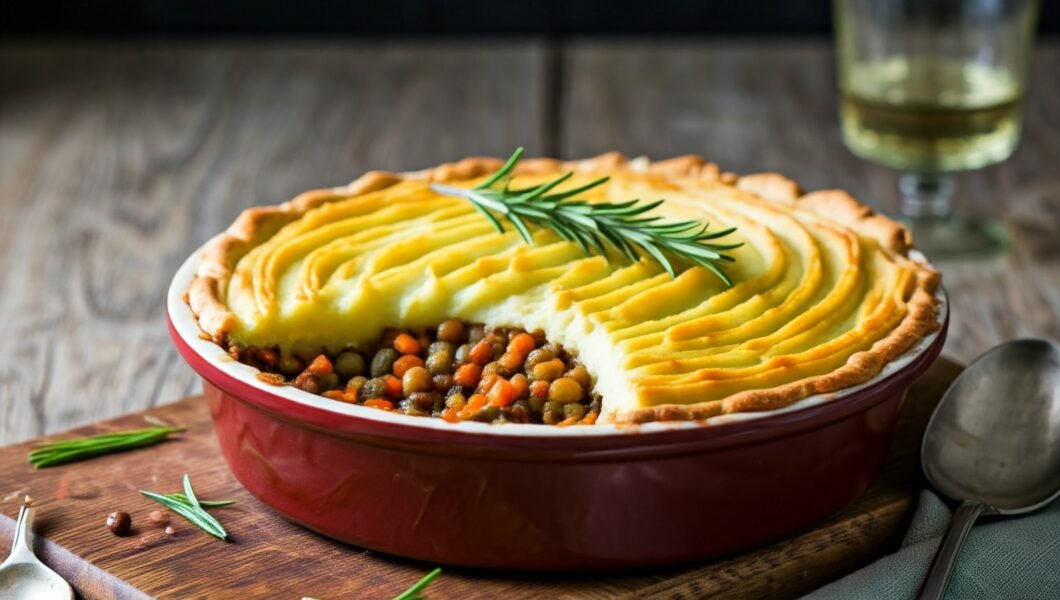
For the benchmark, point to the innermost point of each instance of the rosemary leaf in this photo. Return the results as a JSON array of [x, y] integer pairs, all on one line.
[[595, 226], [67, 451], [413, 593], [187, 505]]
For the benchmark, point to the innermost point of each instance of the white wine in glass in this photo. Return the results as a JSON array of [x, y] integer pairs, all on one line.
[[930, 87]]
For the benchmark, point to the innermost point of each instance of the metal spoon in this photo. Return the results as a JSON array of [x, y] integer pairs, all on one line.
[[994, 443], [23, 575]]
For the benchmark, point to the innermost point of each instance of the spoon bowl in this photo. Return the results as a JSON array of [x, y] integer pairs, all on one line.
[[993, 443], [995, 436], [23, 575]]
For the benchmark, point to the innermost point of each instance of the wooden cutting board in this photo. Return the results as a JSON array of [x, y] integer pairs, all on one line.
[[270, 557]]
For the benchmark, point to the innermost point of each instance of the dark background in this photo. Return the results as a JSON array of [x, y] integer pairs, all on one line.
[[426, 17]]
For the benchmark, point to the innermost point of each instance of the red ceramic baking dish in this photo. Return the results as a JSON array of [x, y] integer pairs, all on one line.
[[534, 497]]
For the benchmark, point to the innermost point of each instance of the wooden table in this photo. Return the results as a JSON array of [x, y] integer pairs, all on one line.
[[118, 159]]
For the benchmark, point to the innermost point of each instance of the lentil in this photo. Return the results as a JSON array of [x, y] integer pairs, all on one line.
[[440, 362], [349, 364], [463, 354], [443, 382], [580, 374], [328, 381], [383, 362], [549, 370], [290, 365], [451, 331], [355, 384], [373, 388], [565, 390], [416, 379]]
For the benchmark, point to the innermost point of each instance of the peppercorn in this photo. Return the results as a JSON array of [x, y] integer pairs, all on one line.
[[159, 517], [119, 522]]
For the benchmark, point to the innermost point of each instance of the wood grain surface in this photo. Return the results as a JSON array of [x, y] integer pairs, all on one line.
[[270, 557], [118, 159]]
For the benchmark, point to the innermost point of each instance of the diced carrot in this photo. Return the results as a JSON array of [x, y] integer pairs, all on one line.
[[539, 389], [393, 386], [482, 352], [350, 397], [468, 375], [474, 404], [320, 365], [501, 394], [333, 394], [487, 382], [521, 345], [406, 344], [405, 363], [379, 403], [451, 414], [590, 419], [520, 386]]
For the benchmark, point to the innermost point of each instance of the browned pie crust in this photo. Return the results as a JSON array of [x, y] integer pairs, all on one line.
[[206, 294]]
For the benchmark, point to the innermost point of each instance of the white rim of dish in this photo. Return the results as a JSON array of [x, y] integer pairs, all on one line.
[[188, 328]]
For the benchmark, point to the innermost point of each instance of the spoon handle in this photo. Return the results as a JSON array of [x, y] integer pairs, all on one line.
[[938, 578], [22, 544]]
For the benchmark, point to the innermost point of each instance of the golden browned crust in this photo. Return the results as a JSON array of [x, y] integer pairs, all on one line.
[[206, 294]]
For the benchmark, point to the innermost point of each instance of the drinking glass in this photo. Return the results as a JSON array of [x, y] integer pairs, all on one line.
[[931, 87]]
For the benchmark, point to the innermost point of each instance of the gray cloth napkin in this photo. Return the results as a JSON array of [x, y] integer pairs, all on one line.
[[1015, 558]]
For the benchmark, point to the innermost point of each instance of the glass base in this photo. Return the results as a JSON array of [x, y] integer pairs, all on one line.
[[957, 236]]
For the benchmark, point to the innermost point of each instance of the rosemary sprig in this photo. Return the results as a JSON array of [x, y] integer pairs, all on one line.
[[413, 593], [598, 225], [191, 508], [67, 451]]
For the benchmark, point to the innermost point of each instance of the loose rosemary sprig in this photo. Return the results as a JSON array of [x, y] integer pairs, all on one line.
[[413, 593], [596, 225], [67, 451], [191, 508]]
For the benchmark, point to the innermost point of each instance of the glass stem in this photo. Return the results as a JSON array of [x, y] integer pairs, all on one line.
[[927, 195]]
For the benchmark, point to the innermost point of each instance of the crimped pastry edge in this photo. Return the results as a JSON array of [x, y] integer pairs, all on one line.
[[206, 293]]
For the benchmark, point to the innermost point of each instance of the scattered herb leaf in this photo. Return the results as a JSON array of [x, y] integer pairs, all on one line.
[[413, 593], [188, 506], [67, 451]]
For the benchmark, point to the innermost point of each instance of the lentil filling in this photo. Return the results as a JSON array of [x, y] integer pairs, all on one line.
[[457, 372]]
